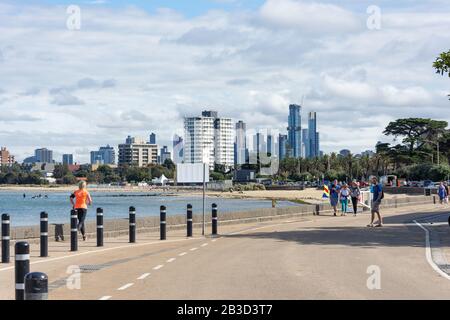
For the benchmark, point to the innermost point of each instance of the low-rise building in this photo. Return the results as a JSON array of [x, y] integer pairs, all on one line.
[[137, 152]]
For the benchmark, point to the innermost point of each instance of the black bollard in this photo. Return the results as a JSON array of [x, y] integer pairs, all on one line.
[[132, 232], [22, 267], [36, 286], [434, 199], [163, 223], [99, 227], [5, 237], [318, 209], [449, 221], [189, 220], [214, 219], [73, 231], [44, 234]]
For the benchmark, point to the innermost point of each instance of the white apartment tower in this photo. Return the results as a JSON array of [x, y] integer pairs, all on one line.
[[209, 138]]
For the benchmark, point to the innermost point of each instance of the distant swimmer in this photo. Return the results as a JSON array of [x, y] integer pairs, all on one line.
[[24, 195], [80, 204]]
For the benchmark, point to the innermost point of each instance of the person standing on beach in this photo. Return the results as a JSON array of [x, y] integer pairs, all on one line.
[[442, 193], [80, 200], [344, 194], [334, 195], [355, 193], [377, 190]]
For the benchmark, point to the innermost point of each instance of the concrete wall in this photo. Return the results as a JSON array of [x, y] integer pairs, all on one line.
[[118, 227]]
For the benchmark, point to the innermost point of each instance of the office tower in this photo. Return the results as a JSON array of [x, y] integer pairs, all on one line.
[[305, 143], [67, 159], [313, 136], [43, 155], [137, 152], [104, 155], [178, 149], [294, 129], [240, 143], [164, 154], [282, 142], [152, 139], [6, 158], [209, 139], [269, 146]]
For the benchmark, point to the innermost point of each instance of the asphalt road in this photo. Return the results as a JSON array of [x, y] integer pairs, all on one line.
[[314, 258]]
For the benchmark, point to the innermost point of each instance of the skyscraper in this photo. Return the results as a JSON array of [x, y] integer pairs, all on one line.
[[43, 155], [104, 155], [152, 139], [178, 149], [67, 159], [270, 144], [313, 136], [294, 129], [305, 143], [240, 143], [165, 154], [209, 138], [282, 140]]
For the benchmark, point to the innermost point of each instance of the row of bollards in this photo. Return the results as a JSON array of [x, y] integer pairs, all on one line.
[[34, 286]]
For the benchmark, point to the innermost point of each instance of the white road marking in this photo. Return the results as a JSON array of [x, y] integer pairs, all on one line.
[[193, 249], [105, 298], [158, 267], [213, 240], [204, 245], [102, 250], [171, 260], [183, 254], [428, 252], [125, 286], [142, 277]]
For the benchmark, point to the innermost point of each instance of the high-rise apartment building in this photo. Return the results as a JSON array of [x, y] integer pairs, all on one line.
[[240, 156], [152, 139], [209, 139], [178, 149], [282, 142], [43, 155], [104, 155], [164, 154], [6, 158], [294, 130], [313, 136], [137, 152], [67, 159]]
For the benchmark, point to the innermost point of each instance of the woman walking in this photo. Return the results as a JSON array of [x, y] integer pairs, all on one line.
[[334, 196], [80, 204], [355, 193], [344, 194], [442, 192]]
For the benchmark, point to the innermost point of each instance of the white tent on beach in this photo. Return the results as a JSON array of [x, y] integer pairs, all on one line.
[[161, 180]]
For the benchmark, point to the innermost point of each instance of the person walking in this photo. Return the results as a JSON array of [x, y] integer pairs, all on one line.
[[355, 194], [344, 194], [446, 190], [334, 195], [442, 193], [377, 191], [80, 199]]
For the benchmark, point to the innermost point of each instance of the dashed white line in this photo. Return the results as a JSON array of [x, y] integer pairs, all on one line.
[[171, 260], [158, 267], [125, 286], [142, 277], [204, 245], [105, 298], [213, 240], [183, 254], [193, 249]]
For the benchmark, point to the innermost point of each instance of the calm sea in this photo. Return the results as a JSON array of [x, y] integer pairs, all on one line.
[[26, 211]]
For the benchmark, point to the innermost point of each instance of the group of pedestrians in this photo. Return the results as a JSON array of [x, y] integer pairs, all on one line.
[[443, 192], [342, 193]]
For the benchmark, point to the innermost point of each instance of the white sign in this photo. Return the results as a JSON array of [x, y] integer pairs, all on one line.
[[192, 172]]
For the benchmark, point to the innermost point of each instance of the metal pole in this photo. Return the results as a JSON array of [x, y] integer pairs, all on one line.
[[99, 227], [132, 231], [44, 234], [36, 286], [438, 152], [73, 231], [204, 196], [22, 267], [189, 220], [5, 238]]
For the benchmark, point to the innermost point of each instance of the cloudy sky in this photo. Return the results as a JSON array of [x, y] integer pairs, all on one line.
[[137, 67]]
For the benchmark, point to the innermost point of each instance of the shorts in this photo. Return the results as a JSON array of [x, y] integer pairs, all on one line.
[[376, 206]]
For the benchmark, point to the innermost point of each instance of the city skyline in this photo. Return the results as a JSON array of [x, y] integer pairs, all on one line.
[[241, 59]]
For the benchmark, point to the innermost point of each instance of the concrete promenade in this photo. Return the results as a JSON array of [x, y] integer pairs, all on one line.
[[296, 257]]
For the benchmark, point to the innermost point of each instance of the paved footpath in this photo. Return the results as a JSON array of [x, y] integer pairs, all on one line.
[[319, 257]]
